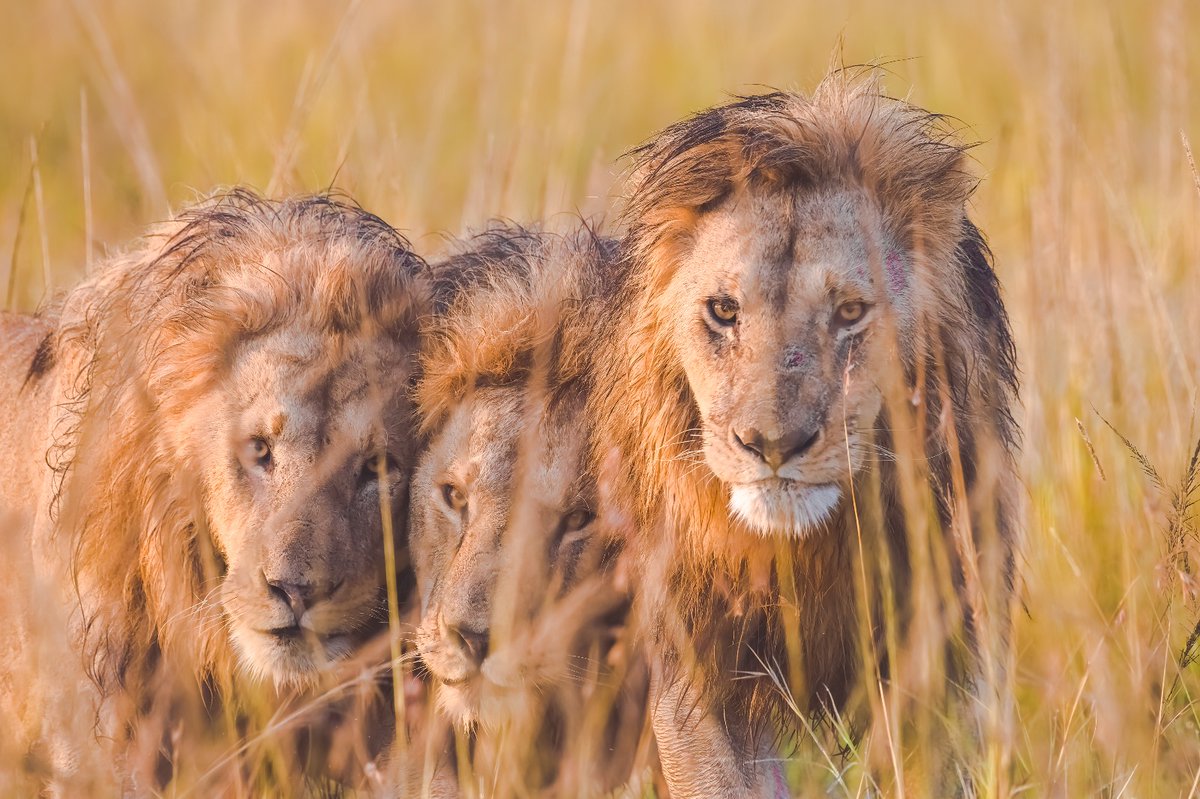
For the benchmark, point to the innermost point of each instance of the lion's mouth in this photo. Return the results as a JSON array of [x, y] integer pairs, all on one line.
[[787, 484], [459, 688], [303, 635], [295, 632], [286, 633], [296, 652], [787, 487]]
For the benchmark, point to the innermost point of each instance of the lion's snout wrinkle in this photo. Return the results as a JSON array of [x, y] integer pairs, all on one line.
[[310, 552]]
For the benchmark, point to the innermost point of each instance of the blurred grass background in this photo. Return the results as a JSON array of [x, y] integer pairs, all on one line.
[[439, 115]]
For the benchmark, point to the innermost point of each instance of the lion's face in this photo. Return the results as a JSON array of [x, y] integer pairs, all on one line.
[[290, 449], [500, 504], [778, 301]]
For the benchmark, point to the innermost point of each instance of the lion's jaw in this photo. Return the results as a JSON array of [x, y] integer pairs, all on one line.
[[787, 393], [300, 530]]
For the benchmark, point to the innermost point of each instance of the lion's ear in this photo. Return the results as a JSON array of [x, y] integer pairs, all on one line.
[[985, 304], [979, 276]]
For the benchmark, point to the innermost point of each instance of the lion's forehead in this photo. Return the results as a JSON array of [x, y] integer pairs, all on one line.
[[300, 354], [784, 249], [531, 454], [296, 383]]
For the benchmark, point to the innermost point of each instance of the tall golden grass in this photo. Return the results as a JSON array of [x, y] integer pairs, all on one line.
[[438, 116]]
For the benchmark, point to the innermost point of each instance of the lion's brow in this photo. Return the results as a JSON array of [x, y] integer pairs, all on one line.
[[359, 389]]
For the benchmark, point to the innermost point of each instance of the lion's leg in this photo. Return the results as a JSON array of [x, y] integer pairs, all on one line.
[[697, 747]]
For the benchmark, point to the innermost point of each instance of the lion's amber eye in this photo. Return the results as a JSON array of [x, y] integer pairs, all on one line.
[[577, 520], [454, 497], [256, 454], [850, 312], [723, 311]]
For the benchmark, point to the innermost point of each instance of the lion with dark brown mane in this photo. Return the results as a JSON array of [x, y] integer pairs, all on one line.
[[226, 413], [809, 380]]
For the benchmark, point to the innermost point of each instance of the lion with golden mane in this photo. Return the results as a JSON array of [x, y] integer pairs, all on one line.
[[225, 416], [522, 616], [809, 380]]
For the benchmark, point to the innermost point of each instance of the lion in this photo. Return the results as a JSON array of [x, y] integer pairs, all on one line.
[[213, 436], [808, 379], [522, 607]]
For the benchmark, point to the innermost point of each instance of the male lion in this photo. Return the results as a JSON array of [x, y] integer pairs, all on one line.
[[224, 410], [809, 379], [511, 558]]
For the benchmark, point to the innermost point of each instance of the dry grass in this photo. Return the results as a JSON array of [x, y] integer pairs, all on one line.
[[440, 115]]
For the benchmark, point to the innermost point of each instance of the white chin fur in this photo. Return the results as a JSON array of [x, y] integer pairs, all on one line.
[[784, 508]]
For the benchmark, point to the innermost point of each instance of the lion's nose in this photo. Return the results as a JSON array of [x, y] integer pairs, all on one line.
[[295, 595], [775, 452], [300, 596], [471, 643]]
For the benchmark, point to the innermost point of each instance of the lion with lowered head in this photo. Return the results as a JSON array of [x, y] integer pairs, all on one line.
[[809, 380], [226, 414], [521, 610]]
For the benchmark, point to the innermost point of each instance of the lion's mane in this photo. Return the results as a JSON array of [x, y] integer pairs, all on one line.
[[513, 302]]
